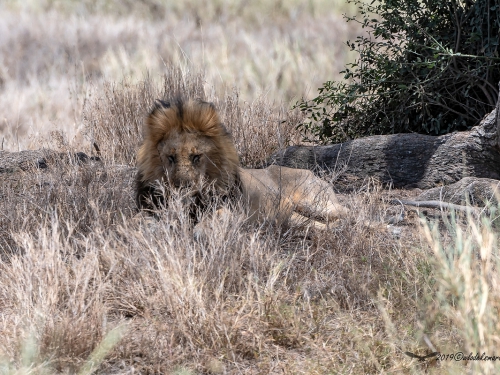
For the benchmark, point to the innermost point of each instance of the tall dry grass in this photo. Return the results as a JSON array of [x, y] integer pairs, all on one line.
[[88, 286], [115, 117], [55, 54]]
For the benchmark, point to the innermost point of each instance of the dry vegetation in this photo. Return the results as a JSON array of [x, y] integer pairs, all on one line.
[[88, 286], [56, 54], [83, 279]]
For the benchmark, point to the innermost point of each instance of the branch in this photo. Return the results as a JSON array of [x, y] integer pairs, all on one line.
[[441, 205]]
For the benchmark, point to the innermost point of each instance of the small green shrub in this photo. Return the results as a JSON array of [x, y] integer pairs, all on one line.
[[424, 66]]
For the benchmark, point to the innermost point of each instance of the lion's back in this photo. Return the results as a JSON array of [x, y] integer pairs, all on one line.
[[284, 180], [278, 191]]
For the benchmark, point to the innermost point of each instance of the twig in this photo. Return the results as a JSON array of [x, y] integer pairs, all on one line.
[[441, 205]]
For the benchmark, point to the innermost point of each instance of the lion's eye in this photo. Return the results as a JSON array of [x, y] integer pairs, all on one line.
[[171, 159], [195, 158]]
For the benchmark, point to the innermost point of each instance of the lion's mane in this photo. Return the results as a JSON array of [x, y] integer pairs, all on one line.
[[174, 117]]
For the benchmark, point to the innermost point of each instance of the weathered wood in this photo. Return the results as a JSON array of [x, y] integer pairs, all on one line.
[[464, 195], [473, 190], [408, 160], [441, 205], [27, 160]]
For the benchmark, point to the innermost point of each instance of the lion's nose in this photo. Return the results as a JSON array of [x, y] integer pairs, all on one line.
[[180, 183]]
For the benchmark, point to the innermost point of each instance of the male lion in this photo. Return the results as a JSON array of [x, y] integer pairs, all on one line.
[[187, 146]]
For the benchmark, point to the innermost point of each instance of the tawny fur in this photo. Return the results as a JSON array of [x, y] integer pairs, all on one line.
[[182, 130], [195, 117], [186, 145]]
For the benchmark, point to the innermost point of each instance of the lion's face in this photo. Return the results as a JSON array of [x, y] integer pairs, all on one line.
[[185, 146], [186, 159]]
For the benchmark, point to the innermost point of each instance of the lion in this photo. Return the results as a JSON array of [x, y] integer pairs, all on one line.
[[186, 146]]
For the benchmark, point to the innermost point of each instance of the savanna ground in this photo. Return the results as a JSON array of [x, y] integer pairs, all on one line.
[[88, 286]]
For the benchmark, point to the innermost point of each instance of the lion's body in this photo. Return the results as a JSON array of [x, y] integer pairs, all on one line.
[[186, 146], [286, 194]]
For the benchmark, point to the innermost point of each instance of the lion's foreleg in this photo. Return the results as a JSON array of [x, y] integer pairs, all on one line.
[[321, 206], [299, 220]]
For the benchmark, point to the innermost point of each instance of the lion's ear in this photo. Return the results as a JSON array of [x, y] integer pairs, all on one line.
[[159, 121], [161, 104], [200, 105], [206, 104], [206, 119], [158, 107]]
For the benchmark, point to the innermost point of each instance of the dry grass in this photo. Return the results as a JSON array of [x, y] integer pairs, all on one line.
[[87, 285], [55, 54], [116, 115]]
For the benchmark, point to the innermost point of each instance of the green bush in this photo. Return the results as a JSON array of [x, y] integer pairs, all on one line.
[[424, 66]]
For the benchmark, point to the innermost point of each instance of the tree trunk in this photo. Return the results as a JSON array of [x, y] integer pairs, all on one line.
[[408, 160]]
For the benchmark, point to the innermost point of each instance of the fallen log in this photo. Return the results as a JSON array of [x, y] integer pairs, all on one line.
[[408, 160]]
